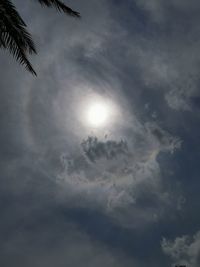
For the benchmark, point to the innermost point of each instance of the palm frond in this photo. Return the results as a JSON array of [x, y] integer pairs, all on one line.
[[13, 34], [60, 6]]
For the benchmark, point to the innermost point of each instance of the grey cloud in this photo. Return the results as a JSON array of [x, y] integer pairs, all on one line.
[[171, 66], [111, 182], [85, 59], [159, 8], [167, 141], [114, 175], [95, 149], [57, 243], [43, 164], [183, 250]]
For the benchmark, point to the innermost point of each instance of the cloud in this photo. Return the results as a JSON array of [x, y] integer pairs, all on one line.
[[112, 175], [95, 149], [183, 250], [57, 243], [114, 181], [159, 9], [166, 53], [147, 52]]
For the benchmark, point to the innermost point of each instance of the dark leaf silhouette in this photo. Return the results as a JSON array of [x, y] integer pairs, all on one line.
[[60, 6], [13, 33]]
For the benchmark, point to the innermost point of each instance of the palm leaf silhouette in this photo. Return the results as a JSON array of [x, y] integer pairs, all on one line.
[[13, 33], [60, 6]]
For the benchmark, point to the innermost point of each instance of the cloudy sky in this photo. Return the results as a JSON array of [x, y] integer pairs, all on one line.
[[100, 153]]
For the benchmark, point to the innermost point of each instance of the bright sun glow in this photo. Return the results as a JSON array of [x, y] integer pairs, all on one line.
[[98, 114]]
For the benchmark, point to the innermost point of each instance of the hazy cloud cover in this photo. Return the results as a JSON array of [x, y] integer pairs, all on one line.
[[121, 195]]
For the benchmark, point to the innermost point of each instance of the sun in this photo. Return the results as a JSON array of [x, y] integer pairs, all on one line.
[[98, 114]]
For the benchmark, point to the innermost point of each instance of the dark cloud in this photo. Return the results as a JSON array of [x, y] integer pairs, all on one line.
[[95, 149]]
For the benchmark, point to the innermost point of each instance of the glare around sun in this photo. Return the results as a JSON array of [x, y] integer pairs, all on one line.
[[97, 114]]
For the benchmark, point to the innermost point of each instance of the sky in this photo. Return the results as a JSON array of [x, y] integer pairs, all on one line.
[[121, 193]]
